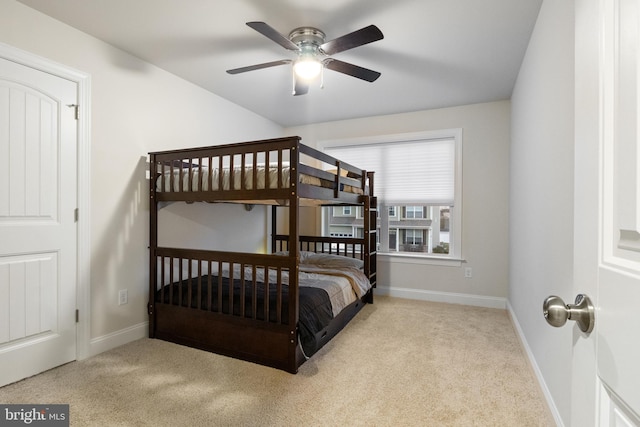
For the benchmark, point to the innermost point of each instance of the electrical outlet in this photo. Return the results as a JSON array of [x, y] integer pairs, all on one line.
[[468, 273], [123, 297]]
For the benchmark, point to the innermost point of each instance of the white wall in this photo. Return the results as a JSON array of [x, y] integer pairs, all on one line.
[[190, 226], [541, 195], [485, 186], [136, 108]]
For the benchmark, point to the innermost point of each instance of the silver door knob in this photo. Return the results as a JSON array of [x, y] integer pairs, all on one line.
[[557, 312]]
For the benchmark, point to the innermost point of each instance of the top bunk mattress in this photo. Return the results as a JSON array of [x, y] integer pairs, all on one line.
[[238, 178]]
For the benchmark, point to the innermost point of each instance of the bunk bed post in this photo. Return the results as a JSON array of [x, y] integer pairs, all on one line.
[[153, 241], [294, 254]]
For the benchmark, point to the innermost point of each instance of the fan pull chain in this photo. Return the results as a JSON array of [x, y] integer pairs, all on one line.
[[293, 81]]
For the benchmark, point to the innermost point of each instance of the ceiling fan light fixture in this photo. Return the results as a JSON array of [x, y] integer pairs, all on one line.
[[307, 68]]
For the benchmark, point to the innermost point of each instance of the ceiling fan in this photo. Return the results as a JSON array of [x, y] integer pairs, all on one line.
[[313, 53]]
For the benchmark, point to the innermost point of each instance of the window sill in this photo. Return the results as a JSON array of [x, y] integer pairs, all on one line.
[[420, 259]]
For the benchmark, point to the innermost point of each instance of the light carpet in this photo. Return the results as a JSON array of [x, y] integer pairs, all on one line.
[[398, 363]]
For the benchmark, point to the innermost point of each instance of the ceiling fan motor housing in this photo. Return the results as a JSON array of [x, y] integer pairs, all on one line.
[[307, 35]]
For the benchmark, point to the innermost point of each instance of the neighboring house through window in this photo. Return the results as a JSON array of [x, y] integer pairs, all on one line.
[[418, 184]]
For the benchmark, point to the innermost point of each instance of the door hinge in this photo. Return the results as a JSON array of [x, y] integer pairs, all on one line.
[[77, 316], [76, 214], [77, 111]]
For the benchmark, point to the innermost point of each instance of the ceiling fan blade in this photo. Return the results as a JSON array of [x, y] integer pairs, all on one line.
[[269, 32], [349, 41], [351, 70], [259, 66]]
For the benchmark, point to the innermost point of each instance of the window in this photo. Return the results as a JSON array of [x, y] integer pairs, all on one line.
[[413, 237], [418, 181], [413, 212]]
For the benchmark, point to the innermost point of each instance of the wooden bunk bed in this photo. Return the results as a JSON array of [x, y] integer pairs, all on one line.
[[247, 305]]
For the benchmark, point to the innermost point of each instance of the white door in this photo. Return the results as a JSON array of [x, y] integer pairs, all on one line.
[[606, 364], [38, 232]]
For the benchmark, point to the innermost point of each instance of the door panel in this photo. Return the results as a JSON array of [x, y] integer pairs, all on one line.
[[28, 297], [618, 354], [28, 154], [38, 197]]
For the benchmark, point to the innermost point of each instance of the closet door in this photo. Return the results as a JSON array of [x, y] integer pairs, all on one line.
[[38, 229]]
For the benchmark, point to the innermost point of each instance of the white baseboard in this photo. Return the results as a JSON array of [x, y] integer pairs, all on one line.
[[118, 338], [536, 369], [447, 297]]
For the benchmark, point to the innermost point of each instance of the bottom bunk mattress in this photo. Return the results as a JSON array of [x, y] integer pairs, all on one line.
[[327, 284]]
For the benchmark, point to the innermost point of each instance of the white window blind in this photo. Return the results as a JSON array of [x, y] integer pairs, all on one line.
[[417, 172]]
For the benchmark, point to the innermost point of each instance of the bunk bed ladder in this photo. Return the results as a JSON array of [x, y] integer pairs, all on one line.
[[371, 235]]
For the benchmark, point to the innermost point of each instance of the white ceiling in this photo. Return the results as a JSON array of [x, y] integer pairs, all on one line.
[[435, 53]]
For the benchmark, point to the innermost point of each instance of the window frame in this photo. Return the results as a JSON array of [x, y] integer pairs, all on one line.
[[455, 220]]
